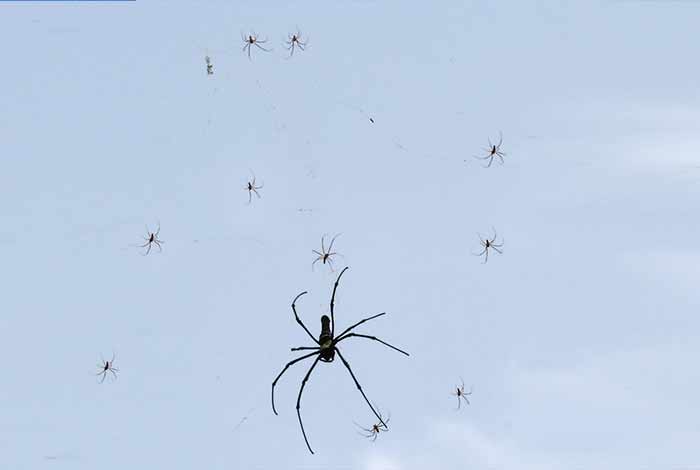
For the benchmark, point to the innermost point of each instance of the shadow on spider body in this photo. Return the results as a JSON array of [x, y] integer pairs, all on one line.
[[488, 244], [373, 432], [325, 255], [325, 351], [107, 366], [493, 151]]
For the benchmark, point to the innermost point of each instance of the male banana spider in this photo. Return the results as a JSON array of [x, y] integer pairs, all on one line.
[[151, 239], [373, 432], [107, 366], [252, 40], [493, 151], [325, 351], [461, 394], [252, 188], [295, 40], [325, 256], [488, 244]]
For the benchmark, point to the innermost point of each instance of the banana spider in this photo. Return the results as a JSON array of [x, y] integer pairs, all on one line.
[[325, 351]]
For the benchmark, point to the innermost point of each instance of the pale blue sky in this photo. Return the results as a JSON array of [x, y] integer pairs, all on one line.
[[580, 340]]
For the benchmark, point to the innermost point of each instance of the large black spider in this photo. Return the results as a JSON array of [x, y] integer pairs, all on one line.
[[326, 351], [493, 151]]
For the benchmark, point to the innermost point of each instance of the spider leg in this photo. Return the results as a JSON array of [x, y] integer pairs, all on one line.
[[364, 429], [319, 254], [487, 256], [250, 196], [296, 316], [459, 403], [266, 50], [256, 193], [500, 139], [494, 247], [374, 437], [290, 363], [479, 254], [347, 330], [333, 300], [359, 387], [330, 247], [372, 338], [323, 245], [490, 162], [301, 390], [305, 348], [330, 264], [113, 373], [316, 261], [148, 250]]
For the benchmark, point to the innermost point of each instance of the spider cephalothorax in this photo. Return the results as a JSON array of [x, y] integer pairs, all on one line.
[[325, 350]]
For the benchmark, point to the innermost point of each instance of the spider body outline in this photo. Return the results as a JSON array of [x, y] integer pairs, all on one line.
[[294, 40], [252, 188], [325, 255], [461, 394], [373, 432], [253, 40], [107, 366], [210, 66], [493, 151], [325, 351], [489, 243], [150, 239]]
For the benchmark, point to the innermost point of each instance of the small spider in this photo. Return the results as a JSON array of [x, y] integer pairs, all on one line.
[[487, 244], [373, 432], [325, 256], [493, 151], [152, 238], [210, 67], [107, 366], [252, 40], [295, 40], [461, 394], [252, 188]]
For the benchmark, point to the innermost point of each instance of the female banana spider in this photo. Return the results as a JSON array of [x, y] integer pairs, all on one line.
[[326, 352]]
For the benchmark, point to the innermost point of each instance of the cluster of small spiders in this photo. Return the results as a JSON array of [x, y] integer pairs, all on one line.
[[325, 347], [294, 41]]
